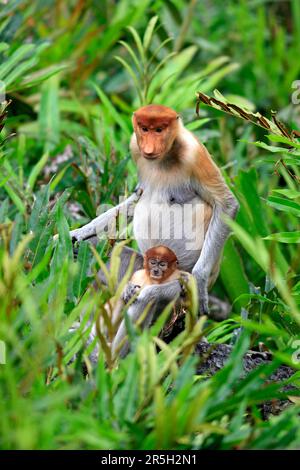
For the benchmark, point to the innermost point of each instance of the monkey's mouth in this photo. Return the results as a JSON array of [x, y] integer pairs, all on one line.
[[151, 157], [156, 275]]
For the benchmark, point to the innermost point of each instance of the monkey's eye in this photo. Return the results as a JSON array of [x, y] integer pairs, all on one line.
[[159, 129], [163, 264], [145, 129], [152, 262]]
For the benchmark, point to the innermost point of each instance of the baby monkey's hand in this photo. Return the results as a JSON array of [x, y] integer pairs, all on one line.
[[130, 291]]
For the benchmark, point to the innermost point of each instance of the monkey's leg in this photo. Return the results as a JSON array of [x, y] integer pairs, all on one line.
[[157, 295], [211, 252], [219, 310], [134, 315]]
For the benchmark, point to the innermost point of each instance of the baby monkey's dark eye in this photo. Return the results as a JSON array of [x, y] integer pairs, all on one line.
[[144, 129], [159, 129]]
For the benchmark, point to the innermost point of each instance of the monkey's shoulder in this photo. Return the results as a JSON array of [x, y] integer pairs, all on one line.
[[139, 278]]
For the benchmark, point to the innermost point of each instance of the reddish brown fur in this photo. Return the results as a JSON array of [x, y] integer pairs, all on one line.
[[161, 253], [155, 114], [156, 128]]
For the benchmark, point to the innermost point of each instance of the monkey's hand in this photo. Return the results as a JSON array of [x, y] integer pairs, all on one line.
[[149, 295], [130, 291], [184, 280]]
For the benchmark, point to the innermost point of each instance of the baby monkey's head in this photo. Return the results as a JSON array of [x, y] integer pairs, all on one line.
[[160, 263]]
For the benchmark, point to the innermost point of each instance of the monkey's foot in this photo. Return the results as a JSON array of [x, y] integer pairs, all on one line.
[[218, 309]]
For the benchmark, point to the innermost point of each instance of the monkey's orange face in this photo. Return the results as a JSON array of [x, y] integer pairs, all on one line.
[[156, 129], [160, 262], [159, 269]]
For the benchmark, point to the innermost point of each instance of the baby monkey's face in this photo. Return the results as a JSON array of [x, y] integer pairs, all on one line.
[[160, 262], [157, 268]]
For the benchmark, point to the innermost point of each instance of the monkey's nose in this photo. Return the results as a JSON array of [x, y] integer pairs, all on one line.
[[156, 272], [149, 154]]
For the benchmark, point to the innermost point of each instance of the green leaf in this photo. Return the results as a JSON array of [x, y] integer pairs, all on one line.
[[271, 148], [248, 183], [37, 77], [132, 54], [111, 110], [162, 63], [126, 398], [81, 278], [138, 42], [233, 274], [16, 233], [290, 193], [64, 243], [149, 32], [158, 49], [19, 71], [283, 140], [3, 47], [192, 126], [284, 237], [41, 224], [21, 53], [15, 198], [131, 73], [36, 170], [285, 205], [227, 377], [49, 116]]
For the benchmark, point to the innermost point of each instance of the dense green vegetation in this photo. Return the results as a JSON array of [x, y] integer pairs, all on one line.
[[74, 72]]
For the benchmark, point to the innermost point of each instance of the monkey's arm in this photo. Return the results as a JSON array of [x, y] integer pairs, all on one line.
[[100, 223], [151, 294], [213, 189]]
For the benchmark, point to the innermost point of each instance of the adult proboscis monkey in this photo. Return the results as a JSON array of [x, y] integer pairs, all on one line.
[[180, 203]]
